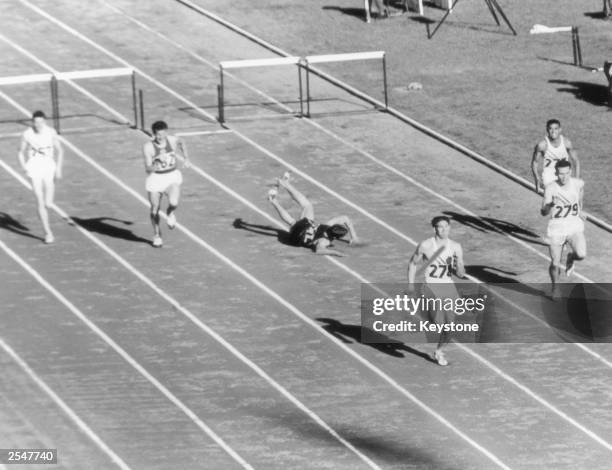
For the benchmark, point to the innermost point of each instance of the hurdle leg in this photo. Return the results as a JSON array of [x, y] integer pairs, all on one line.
[[503, 15], [448, 12], [492, 10], [578, 48], [367, 11]]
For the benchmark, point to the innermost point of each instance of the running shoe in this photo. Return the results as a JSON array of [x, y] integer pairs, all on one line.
[[171, 221], [439, 357]]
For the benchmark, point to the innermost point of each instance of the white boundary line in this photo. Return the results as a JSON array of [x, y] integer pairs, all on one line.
[[200, 324], [283, 302], [107, 339], [49, 391], [246, 139]]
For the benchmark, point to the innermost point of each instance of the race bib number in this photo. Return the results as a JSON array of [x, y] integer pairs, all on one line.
[[565, 210], [165, 161]]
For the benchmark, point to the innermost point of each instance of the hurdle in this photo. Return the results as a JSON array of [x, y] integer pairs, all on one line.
[[304, 69], [576, 48], [55, 78]]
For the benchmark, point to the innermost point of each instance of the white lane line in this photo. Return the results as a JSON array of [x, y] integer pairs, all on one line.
[[108, 340], [283, 302], [189, 134], [539, 399], [49, 391], [71, 82], [246, 139], [200, 324]]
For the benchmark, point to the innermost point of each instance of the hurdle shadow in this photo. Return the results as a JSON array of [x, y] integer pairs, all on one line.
[[596, 15], [482, 224], [593, 93], [281, 235], [350, 334], [349, 11], [7, 222], [102, 226]]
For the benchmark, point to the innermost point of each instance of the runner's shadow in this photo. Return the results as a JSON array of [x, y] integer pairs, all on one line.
[[352, 334], [593, 93], [100, 225], [7, 222], [280, 234], [490, 275], [485, 224]]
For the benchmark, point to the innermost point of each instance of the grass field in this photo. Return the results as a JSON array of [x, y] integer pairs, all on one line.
[[229, 349]]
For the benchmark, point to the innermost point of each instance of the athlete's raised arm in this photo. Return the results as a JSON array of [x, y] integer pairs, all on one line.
[[182, 151], [573, 156], [538, 154], [547, 202]]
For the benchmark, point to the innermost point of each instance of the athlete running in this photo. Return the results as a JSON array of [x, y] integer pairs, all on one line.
[[39, 145], [161, 155], [563, 204], [553, 148], [443, 258]]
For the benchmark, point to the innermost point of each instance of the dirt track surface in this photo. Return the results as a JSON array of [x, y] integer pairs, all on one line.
[[333, 164]]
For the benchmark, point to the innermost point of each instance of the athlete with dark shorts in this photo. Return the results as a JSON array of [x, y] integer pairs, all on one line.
[[304, 231]]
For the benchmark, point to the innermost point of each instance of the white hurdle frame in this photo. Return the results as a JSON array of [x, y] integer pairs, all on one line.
[[303, 63], [54, 78]]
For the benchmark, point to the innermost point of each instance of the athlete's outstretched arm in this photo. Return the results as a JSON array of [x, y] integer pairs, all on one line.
[[21, 155], [459, 267], [322, 248], [573, 156], [59, 151], [538, 154]]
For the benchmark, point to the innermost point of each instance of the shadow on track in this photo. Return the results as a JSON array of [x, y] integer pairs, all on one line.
[[352, 334], [100, 225], [482, 224], [7, 222]]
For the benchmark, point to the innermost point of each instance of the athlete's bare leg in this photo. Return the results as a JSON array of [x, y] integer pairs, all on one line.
[[305, 204], [344, 220], [556, 251], [577, 251], [282, 212], [44, 199], [155, 202], [174, 195]]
